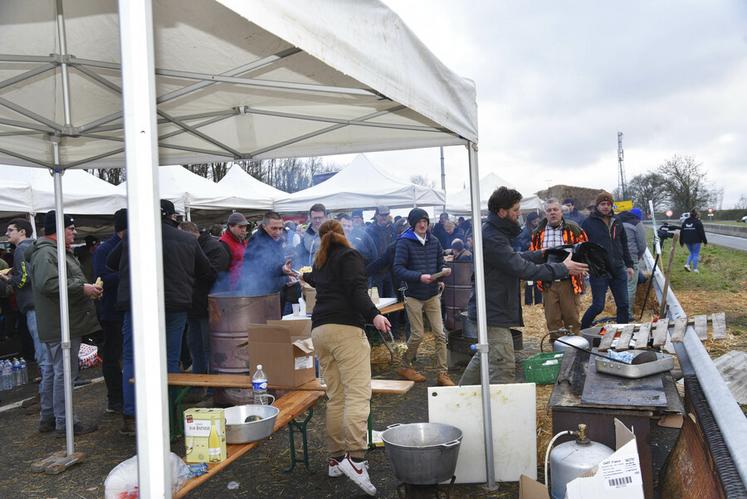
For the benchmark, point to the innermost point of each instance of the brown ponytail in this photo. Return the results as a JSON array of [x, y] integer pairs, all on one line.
[[331, 235]]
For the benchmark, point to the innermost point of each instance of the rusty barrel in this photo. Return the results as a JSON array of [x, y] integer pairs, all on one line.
[[456, 293], [230, 315]]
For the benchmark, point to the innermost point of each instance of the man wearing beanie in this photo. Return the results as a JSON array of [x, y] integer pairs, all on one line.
[[109, 316], [42, 261], [603, 228], [636, 235], [504, 270], [417, 256]]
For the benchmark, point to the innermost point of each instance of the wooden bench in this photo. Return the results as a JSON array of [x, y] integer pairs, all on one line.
[[291, 405]]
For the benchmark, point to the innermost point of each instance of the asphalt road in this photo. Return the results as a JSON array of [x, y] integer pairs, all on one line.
[[733, 242]]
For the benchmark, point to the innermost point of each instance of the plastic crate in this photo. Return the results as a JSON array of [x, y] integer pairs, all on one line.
[[542, 368]]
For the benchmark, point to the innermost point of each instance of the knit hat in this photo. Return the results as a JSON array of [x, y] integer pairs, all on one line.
[[416, 215], [237, 218], [167, 208], [636, 212], [532, 217], [120, 220], [603, 196], [50, 222]]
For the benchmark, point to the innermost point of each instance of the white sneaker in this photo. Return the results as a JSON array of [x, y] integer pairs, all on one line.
[[696, 271], [687, 267], [333, 468], [358, 473]]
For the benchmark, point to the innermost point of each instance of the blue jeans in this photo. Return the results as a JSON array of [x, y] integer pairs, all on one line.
[[175, 322], [46, 388], [692, 259], [199, 345], [619, 286], [54, 353]]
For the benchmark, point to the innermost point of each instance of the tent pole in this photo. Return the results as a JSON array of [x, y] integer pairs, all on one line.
[[482, 323], [32, 221], [146, 254], [64, 311]]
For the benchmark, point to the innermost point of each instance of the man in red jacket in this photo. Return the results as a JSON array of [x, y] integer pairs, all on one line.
[[235, 241]]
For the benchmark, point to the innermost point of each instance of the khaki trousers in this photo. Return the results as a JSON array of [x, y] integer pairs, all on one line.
[[501, 359], [562, 306], [432, 309], [345, 363]]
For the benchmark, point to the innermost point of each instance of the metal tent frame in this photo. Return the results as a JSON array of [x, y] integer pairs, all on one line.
[[143, 127]]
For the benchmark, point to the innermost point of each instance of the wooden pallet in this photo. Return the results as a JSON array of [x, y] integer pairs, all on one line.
[[655, 333]]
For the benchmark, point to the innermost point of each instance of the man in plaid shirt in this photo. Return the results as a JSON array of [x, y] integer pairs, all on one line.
[[560, 297]]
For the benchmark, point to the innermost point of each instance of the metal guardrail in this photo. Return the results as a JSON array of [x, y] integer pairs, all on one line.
[[694, 360]]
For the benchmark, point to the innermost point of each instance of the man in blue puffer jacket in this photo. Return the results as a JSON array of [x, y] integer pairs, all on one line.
[[417, 256]]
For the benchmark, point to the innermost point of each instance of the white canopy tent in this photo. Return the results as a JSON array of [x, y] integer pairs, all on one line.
[[458, 203], [361, 184], [237, 182], [181, 82], [85, 194]]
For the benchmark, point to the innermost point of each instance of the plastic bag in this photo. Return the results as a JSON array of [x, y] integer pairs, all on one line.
[[121, 483]]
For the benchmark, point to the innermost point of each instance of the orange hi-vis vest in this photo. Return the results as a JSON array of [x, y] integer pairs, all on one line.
[[572, 234]]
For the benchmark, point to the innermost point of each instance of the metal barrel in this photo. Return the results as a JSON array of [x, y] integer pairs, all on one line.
[[230, 316], [457, 292]]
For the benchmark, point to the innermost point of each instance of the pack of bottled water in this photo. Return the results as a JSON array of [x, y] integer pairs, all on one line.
[[13, 373]]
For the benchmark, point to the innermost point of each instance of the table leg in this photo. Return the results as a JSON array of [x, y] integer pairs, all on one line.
[[299, 426], [176, 414]]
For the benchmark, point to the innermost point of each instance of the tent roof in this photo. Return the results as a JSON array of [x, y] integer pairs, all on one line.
[[361, 184], [84, 194], [459, 203], [187, 189], [235, 79], [239, 183]]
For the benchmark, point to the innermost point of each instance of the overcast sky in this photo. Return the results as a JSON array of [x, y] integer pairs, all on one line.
[[556, 81]]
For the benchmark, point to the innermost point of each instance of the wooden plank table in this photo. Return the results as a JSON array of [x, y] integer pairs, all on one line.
[[291, 405]]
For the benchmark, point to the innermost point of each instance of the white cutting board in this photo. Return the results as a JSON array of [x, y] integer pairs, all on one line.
[[514, 429]]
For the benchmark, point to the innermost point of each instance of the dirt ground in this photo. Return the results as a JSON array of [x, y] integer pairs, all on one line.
[[260, 472]]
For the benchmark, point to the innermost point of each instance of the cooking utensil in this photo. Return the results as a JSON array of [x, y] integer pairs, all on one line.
[[634, 371], [240, 432], [422, 453]]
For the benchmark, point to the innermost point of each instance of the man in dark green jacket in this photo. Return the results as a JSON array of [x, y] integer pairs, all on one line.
[[42, 259]]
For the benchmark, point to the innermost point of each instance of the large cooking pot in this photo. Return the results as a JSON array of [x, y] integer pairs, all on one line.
[[241, 431], [422, 453]]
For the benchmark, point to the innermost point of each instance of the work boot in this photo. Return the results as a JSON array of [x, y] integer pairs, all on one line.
[[411, 374], [46, 425], [78, 429], [444, 379], [128, 426]]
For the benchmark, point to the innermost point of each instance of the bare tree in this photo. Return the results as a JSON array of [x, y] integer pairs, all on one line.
[[114, 176], [684, 181], [422, 180], [742, 203], [645, 187]]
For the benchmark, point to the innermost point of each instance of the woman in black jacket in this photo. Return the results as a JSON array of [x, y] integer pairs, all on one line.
[[693, 234], [342, 308]]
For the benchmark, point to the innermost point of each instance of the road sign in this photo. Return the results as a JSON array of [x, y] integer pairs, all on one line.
[[625, 205]]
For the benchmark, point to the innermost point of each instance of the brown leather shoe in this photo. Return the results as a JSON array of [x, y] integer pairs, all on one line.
[[444, 380], [411, 374]]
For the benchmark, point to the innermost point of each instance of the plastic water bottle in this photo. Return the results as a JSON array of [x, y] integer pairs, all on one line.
[[24, 371], [16, 372], [259, 386], [7, 375]]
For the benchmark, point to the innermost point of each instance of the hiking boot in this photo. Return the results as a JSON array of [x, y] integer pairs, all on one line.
[[411, 374], [333, 469], [46, 425], [358, 473], [78, 429], [114, 408], [687, 267], [444, 379], [128, 426]]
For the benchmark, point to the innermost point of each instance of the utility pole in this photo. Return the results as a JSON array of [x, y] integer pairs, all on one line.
[[621, 187], [443, 176]]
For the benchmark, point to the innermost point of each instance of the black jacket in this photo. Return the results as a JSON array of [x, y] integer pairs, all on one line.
[[107, 305], [382, 236], [20, 278], [413, 259], [362, 242], [219, 259], [612, 238], [504, 269], [263, 265], [341, 290], [692, 232], [184, 262]]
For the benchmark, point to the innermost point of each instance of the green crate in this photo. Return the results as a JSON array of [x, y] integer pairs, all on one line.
[[542, 368]]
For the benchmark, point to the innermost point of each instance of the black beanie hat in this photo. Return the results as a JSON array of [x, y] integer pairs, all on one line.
[[50, 222], [417, 214], [120, 220], [167, 208]]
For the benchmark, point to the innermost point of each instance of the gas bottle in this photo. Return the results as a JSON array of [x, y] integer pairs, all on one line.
[[572, 459]]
